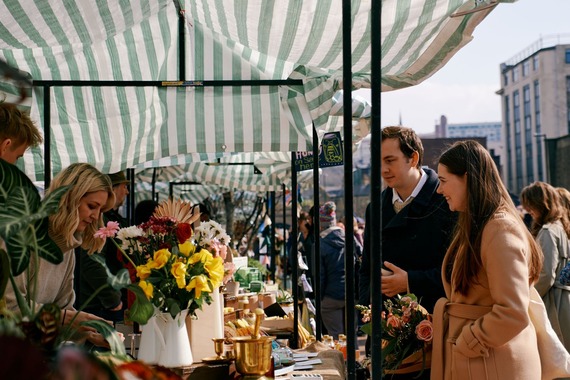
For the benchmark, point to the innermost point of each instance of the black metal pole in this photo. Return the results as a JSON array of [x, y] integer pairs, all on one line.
[[131, 196], [47, 137], [272, 238], [181, 43], [316, 235], [171, 190], [348, 191], [154, 195], [284, 263], [376, 189], [293, 252]]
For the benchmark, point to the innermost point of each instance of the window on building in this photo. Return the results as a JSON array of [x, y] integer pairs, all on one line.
[[505, 79], [567, 55], [525, 68], [535, 62], [515, 73], [516, 112]]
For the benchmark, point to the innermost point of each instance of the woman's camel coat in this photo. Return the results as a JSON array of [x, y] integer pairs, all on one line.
[[487, 334]]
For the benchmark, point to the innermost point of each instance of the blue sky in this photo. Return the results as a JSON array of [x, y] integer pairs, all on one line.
[[464, 89]]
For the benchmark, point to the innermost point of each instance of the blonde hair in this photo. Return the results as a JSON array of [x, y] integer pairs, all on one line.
[[84, 179]]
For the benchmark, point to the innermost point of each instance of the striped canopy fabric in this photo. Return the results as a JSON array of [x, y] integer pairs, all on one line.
[[134, 89]]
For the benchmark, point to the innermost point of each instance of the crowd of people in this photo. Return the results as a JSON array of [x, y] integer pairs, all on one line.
[[453, 237]]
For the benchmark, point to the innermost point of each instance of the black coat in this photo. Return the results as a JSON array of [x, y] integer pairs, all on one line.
[[415, 240]]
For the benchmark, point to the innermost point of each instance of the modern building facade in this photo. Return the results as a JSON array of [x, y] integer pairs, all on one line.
[[535, 98]]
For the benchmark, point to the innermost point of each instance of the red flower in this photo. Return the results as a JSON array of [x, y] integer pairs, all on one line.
[[183, 232]]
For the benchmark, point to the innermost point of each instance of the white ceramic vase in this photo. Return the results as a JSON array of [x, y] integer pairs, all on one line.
[[164, 341]]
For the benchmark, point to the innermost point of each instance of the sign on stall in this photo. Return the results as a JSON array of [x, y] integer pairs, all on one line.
[[330, 154]]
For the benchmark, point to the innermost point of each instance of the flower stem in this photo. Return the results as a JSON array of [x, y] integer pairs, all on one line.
[[124, 253]]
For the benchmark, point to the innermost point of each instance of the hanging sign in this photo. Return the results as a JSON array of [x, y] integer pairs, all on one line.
[[330, 154]]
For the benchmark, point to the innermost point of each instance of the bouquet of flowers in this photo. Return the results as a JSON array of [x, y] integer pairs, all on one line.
[[173, 270], [407, 333]]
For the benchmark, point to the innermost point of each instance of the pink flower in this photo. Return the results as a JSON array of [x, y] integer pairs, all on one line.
[[109, 231], [424, 331], [395, 322]]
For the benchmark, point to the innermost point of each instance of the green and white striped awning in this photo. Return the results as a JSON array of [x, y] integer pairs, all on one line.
[[116, 127]]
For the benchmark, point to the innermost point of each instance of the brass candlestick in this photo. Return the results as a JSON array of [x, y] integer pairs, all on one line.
[[219, 347]]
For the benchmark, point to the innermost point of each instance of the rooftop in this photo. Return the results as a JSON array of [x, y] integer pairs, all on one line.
[[541, 43]]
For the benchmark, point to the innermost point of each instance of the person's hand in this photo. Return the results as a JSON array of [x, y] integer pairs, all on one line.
[[88, 333], [396, 283]]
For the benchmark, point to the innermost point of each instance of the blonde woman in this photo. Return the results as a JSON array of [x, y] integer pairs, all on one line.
[[551, 229], [79, 216]]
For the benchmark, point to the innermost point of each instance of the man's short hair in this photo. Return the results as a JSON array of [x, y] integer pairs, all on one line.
[[17, 125], [409, 141]]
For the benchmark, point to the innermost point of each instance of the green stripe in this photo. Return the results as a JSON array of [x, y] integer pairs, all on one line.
[[21, 17]]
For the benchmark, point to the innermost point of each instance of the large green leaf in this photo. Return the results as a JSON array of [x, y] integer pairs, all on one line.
[[18, 212], [32, 238], [23, 219], [110, 334], [12, 177], [141, 310]]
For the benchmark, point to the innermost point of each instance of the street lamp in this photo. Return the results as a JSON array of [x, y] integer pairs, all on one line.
[[545, 173]]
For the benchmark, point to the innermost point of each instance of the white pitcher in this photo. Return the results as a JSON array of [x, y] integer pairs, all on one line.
[[152, 340], [176, 351]]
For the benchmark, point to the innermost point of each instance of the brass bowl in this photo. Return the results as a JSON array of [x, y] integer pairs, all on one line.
[[253, 356]]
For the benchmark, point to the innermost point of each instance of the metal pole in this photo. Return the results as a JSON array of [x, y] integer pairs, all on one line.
[[47, 137], [131, 196], [284, 234], [154, 195], [348, 191], [293, 252], [376, 189], [272, 238], [316, 235]]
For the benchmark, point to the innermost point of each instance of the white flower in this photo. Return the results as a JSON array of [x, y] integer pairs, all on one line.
[[129, 233]]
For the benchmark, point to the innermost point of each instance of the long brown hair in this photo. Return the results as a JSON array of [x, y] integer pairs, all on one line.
[[486, 194], [546, 202]]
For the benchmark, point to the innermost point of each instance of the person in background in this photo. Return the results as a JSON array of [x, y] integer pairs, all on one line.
[[551, 229], [144, 210], [90, 275], [332, 270], [417, 226], [483, 330], [78, 217], [17, 133]]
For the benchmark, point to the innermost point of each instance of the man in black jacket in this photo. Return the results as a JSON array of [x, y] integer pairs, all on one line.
[[416, 225]]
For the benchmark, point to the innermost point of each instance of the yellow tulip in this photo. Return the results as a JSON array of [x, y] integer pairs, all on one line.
[[199, 284], [215, 268], [143, 272], [187, 248], [147, 288], [202, 256], [179, 272], [161, 257]]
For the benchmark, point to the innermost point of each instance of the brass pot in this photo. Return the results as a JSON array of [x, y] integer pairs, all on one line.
[[253, 356]]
